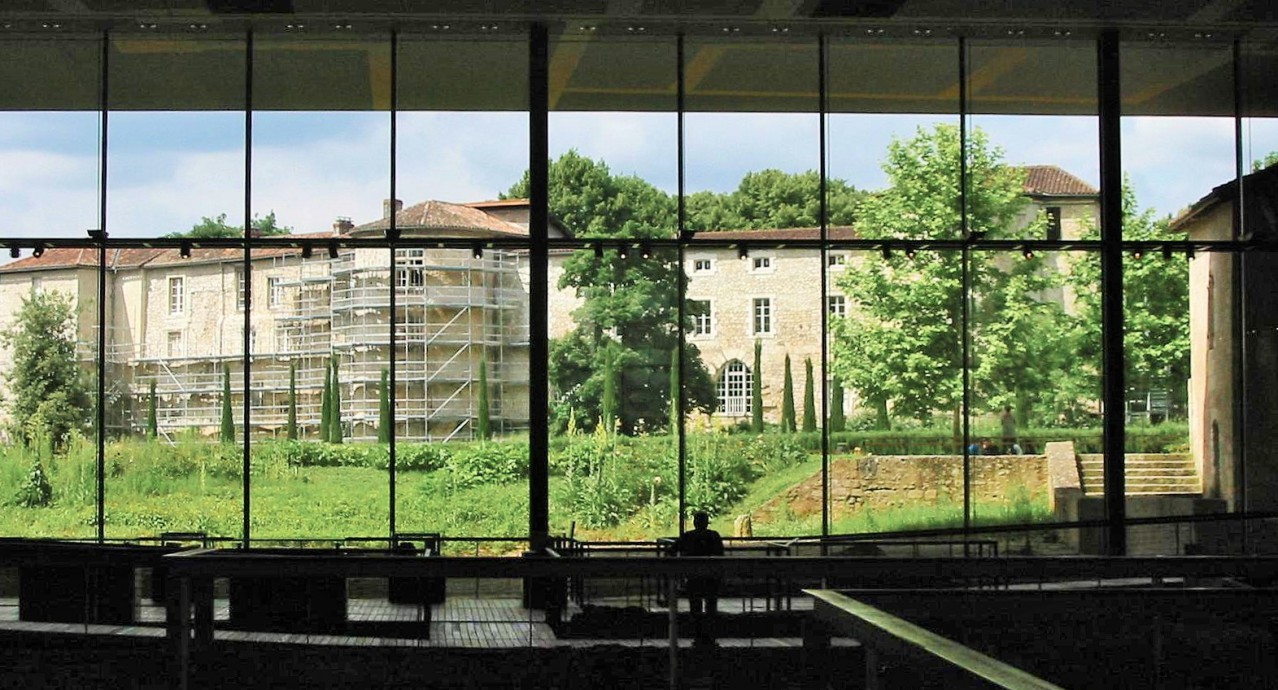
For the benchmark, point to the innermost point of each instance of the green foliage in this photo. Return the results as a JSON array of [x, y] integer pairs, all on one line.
[[1270, 159], [227, 431], [218, 227], [487, 463], [809, 398], [384, 407], [628, 304], [773, 199], [152, 422], [902, 346], [47, 392], [837, 421], [35, 491], [485, 421], [675, 417], [335, 400], [326, 406], [756, 389], [291, 428], [787, 400]]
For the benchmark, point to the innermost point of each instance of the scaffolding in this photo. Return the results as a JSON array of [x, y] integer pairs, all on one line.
[[453, 310]]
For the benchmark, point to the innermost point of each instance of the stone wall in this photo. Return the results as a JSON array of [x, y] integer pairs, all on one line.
[[885, 482]]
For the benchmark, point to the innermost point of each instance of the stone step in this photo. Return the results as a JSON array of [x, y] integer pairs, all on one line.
[[1142, 472], [1150, 489], [1142, 463]]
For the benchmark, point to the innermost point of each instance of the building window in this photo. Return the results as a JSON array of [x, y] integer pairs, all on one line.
[[1053, 222], [174, 344], [761, 263], [836, 306], [275, 290], [762, 321], [239, 289], [281, 341], [734, 389], [252, 340], [410, 273], [177, 295], [702, 321], [702, 265], [836, 259]]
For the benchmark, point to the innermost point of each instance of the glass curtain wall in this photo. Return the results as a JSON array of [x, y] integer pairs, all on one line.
[[319, 330], [50, 143], [461, 389], [1033, 331]]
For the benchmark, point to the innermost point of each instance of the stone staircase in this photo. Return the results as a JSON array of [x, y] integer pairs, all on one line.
[[1148, 474]]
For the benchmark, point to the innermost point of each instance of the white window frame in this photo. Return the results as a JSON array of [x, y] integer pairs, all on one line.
[[703, 324], [703, 265], [836, 261], [275, 291], [734, 389], [768, 319], [177, 295], [174, 343], [409, 268], [762, 263], [842, 306], [241, 294]]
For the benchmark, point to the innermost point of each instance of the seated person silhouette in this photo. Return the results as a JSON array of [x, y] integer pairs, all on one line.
[[703, 592]]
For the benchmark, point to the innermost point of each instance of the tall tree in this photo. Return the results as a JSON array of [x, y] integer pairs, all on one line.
[[227, 431], [335, 415], [608, 410], [787, 400], [152, 421], [628, 302], [291, 429], [902, 346], [809, 398], [326, 404], [837, 421], [756, 389], [485, 421], [47, 391], [675, 417], [384, 411]]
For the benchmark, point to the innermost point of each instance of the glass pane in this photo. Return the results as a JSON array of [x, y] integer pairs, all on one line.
[[49, 340], [50, 132], [1178, 144], [321, 167], [175, 393], [613, 326]]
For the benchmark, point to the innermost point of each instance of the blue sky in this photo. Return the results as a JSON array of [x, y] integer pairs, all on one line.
[[166, 170]]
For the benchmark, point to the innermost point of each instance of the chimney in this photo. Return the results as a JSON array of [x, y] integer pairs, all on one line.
[[342, 225], [388, 204]]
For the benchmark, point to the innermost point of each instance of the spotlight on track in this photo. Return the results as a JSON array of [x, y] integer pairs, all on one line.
[[477, 251], [307, 250], [38, 251], [623, 251], [743, 252], [645, 250], [886, 251], [332, 250], [14, 252], [184, 250], [599, 250]]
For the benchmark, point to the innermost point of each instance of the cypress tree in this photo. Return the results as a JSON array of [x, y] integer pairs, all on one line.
[[485, 422], [383, 410], [326, 405], [291, 429], [674, 391], [809, 398], [335, 417], [787, 400], [609, 406], [756, 389], [837, 421], [152, 421], [228, 422]]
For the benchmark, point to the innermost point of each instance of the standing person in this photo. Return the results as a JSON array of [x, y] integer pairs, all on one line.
[[1009, 430], [703, 592]]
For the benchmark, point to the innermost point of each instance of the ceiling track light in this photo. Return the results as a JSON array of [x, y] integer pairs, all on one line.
[[1167, 252], [1138, 254], [332, 250], [307, 251], [623, 251], [14, 252], [645, 250], [599, 250], [910, 252], [184, 250], [477, 251], [38, 251], [886, 251], [1027, 252], [743, 252]]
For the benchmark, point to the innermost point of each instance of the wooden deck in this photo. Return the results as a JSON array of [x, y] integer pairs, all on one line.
[[486, 623]]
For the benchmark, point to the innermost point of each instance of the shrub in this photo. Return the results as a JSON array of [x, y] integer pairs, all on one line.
[[422, 457], [488, 463], [35, 491]]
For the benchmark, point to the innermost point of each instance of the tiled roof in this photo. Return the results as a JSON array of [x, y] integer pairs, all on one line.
[[776, 235], [1050, 180], [441, 215]]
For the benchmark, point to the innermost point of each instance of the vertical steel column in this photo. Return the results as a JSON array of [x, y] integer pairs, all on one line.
[[1238, 308], [102, 292], [392, 235], [965, 295], [823, 107], [246, 536], [1114, 393], [683, 283], [538, 258]]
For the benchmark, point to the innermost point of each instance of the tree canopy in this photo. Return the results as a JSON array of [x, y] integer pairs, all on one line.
[[218, 227], [771, 198], [48, 394]]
